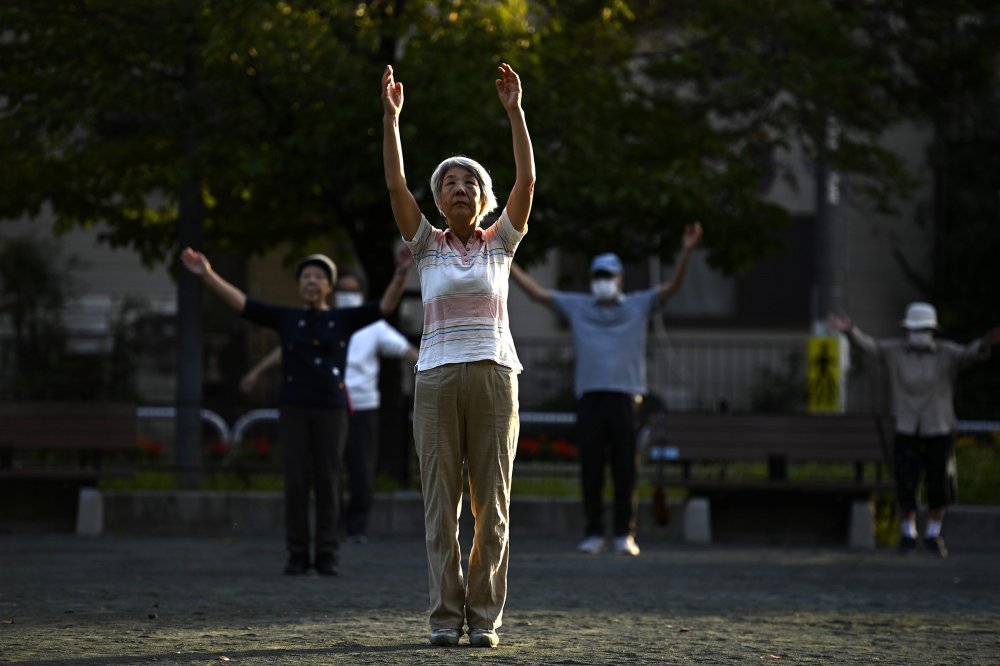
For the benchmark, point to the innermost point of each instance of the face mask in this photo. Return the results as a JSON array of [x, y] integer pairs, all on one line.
[[348, 299], [921, 338], [604, 289]]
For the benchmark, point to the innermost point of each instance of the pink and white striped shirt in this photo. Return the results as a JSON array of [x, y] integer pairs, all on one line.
[[464, 289]]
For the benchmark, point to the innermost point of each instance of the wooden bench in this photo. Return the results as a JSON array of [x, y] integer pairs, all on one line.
[[782, 504], [49, 451]]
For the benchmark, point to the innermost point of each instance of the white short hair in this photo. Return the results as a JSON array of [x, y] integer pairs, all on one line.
[[487, 200]]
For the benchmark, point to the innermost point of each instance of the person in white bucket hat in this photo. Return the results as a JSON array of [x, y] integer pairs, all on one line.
[[922, 374]]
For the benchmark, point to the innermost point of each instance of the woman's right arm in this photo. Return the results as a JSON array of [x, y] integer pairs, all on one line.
[[198, 264], [843, 323], [535, 291], [404, 206]]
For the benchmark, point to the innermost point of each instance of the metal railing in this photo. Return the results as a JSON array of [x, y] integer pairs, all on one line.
[[704, 374]]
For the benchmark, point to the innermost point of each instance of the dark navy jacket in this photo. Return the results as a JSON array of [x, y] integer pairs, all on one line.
[[313, 348]]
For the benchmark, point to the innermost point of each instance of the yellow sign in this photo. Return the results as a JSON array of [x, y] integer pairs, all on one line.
[[824, 374]]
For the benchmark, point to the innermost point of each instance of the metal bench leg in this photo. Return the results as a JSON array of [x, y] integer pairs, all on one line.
[[90, 512], [697, 520], [862, 527]]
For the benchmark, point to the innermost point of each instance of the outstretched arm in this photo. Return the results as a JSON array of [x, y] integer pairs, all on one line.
[[841, 322], [404, 206], [692, 236], [521, 195], [199, 265], [266, 363], [534, 290], [394, 292]]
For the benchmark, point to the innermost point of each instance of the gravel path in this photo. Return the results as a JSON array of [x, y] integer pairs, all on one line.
[[71, 600]]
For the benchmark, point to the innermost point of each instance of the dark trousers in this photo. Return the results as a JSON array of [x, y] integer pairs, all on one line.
[[360, 458], [312, 447], [914, 455], [605, 422]]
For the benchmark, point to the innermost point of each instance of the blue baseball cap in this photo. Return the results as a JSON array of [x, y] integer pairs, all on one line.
[[607, 262]]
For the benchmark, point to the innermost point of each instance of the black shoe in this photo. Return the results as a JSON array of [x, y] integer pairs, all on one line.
[[907, 545], [297, 565], [326, 565], [935, 545]]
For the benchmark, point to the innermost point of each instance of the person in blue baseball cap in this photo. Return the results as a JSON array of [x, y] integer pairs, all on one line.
[[609, 337]]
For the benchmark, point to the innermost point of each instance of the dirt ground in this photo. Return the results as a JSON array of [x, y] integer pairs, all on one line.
[[72, 600]]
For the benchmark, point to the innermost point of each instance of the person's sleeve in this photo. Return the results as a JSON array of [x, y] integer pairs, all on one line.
[[565, 303], [650, 300], [968, 354], [507, 234], [420, 241], [391, 342], [262, 314]]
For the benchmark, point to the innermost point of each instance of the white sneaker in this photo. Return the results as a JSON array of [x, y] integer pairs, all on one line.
[[486, 638], [445, 637], [592, 545], [626, 546]]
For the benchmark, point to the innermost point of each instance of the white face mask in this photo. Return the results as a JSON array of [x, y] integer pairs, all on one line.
[[604, 289], [921, 338], [348, 299]]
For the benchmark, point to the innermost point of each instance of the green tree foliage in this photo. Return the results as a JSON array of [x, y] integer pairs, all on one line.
[[110, 108], [947, 57]]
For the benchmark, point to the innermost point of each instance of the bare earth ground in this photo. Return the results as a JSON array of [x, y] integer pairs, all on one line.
[[71, 600]]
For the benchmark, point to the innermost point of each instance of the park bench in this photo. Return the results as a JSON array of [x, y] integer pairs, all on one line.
[[49, 451], [817, 474]]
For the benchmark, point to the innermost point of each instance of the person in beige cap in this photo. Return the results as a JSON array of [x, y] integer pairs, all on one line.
[[313, 396], [922, 374]]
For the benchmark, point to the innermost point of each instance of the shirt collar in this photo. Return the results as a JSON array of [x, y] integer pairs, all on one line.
[[478, 231]]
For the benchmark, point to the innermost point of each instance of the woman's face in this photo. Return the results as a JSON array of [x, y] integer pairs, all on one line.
[[314, 286], [460, 198]]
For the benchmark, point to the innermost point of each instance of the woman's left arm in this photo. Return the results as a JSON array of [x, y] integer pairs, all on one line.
[[519, 201], [692, 236]]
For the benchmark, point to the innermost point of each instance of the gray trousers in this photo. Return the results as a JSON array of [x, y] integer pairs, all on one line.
[[312, 448]]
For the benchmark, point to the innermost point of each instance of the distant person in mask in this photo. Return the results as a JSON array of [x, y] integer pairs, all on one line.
[[365, 350], [609, 337], [922, 373]]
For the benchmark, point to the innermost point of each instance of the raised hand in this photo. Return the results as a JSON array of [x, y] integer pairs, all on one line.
[[404, 261], [692, 235], [195, 262], [392, 93], [839, 322], [509, 88]]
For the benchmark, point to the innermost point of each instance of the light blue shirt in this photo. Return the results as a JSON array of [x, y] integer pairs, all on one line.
[[609, 339]]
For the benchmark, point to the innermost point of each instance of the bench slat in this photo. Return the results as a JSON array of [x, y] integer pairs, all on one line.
[[58, 425]]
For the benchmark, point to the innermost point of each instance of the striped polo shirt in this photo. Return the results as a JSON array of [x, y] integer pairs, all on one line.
[[464, 290]]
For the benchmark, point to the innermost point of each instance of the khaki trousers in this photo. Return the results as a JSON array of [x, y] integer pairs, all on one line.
[[466, 414]]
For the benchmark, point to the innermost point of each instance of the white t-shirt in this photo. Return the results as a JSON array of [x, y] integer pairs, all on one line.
[[363, 351]]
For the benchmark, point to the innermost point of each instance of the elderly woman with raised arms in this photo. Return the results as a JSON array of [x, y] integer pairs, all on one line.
[[465, 395]]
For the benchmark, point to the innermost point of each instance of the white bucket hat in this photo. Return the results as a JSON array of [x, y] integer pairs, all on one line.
[[920, 316]]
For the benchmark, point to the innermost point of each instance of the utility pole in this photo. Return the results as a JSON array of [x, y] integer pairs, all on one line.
[[831, 251]]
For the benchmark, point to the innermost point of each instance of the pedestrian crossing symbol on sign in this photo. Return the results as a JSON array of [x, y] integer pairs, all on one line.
[[825, 373]]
